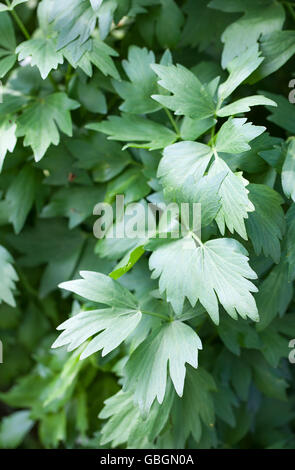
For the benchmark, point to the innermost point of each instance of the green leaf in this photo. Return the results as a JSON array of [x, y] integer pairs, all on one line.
[[169, 23], [7, 44], [244, 105], [40, 122], [7, 137], [100, 288], [126, 424], [189, 96], [284, 114], [42, 49], [92, 98], [106, 164], [275, 294], [143, 81], [235, 202], [76, 203], [235, 135], [146, 369], [127, 262], [217, 270], [191, 129], [290, 217], [266, 225], [8, 276], [74, 21], [52, 429], [187, 162], [239, 69], [14, 428], [276, 48], [21, 196], [128, 128], [181, 161], [111, 327], [100, 55], [131, 183], [50, 242], [259, 18], [194, 408], [288, 171]]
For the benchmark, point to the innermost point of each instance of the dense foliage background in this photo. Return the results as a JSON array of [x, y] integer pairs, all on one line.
[[79, 83]]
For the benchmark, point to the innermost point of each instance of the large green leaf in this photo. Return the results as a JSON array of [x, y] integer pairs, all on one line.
[[216, 271]]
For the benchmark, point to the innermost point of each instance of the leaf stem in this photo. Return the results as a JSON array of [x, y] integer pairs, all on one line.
[[197, 239], [172, 120], [215, 153], [157, 315], [18, 21]]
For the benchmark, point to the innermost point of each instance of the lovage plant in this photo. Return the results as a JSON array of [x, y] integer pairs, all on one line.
[[170, 336]]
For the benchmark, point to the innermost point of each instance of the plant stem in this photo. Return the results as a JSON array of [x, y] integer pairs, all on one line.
[[19, 22], [157, 315], [172, 120], [215, 153], [212, 134]]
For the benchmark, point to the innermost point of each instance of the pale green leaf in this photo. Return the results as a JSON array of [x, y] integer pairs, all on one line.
[[217, 270], [146, 370]]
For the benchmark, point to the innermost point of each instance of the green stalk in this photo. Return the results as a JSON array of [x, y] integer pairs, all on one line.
[[19, 21]]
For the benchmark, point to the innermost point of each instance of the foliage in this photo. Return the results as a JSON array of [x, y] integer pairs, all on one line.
[[163, 342]]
